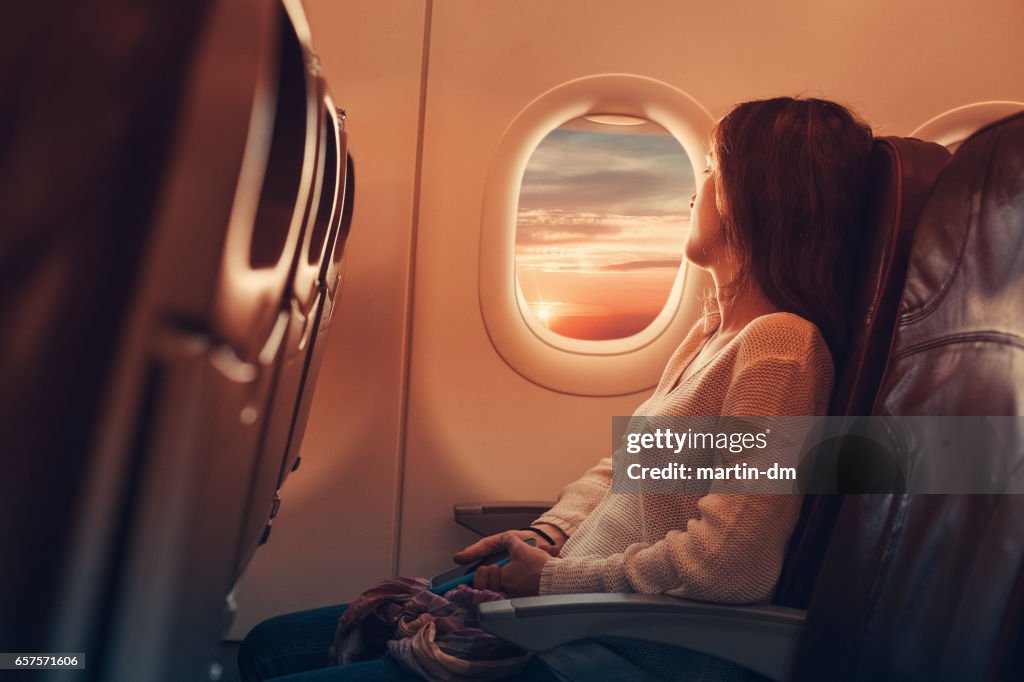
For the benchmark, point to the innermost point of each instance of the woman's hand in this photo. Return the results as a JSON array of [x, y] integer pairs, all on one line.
[[492, 543], [520, 577]]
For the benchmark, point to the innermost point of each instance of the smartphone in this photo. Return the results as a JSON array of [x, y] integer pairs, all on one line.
[[463, 575]]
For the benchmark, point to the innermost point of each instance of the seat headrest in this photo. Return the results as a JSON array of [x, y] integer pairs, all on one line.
[[958, 348], [901, 174]]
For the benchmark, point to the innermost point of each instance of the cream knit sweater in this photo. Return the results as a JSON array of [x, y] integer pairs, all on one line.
[[718, 547]]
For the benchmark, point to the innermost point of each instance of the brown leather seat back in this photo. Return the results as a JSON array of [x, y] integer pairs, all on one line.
[[78, 161], [932, 586], [902, 172], [919, 587], [959, 343], [145, 301]]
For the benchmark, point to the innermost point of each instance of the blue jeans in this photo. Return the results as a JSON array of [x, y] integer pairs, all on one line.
[[293, 648]]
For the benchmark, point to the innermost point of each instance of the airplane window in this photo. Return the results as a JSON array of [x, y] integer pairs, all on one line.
[[602, 218], [584, 219]]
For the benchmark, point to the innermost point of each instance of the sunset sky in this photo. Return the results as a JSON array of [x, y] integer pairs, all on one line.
[[601, 225]]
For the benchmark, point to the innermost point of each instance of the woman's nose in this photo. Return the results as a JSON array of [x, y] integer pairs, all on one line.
[[693, 199]]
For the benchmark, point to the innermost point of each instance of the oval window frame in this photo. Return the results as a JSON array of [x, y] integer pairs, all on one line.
[[576, 366], [952, 127]]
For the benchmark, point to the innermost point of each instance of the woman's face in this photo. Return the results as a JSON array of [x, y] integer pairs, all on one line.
[[705, 244]]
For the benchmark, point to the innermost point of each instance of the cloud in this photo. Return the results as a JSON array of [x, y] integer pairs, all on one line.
[[571, 221], [636, 192], [614, 173], [540, 227], [601, 225], [571, 265], [673, 263]]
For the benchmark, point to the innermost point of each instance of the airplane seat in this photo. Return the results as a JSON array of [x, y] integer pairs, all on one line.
[[77, 197], [957, 347], [902, 172], [330, 285], [304, 304], [931, 586], [213, 378], [156, 267]]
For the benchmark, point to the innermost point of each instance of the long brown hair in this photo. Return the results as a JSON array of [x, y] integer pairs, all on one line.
[[792, 177]]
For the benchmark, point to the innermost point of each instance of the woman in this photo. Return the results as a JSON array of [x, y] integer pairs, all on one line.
[[775, 221]]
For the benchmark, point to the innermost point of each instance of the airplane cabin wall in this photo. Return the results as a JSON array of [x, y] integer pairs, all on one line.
[[474, 428]]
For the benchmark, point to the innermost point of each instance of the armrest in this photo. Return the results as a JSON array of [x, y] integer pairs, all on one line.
[[487, 518], [759, 637]]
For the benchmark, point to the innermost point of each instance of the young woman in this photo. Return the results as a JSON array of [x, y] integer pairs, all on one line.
[[775, 221]]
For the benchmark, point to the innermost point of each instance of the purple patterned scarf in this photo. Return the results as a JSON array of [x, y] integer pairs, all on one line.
[[436, 636]]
